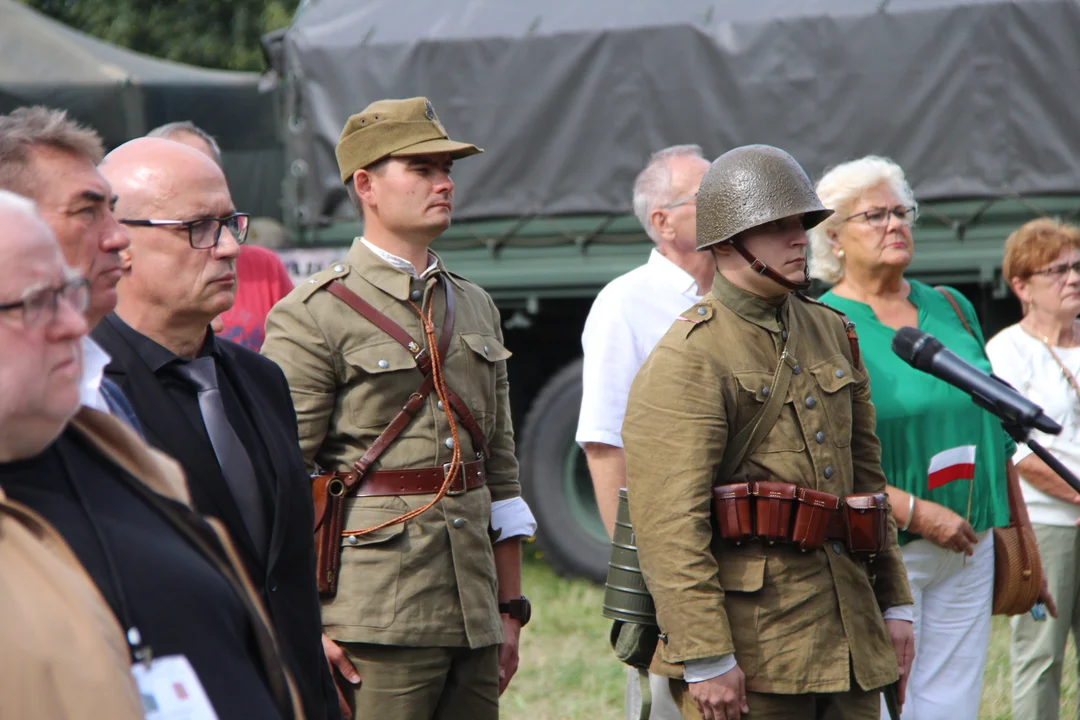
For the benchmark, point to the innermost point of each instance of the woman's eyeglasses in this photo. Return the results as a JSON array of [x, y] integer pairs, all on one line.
[[879, 217]]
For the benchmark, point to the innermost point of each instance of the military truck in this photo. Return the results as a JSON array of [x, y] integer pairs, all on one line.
[[569, 99]]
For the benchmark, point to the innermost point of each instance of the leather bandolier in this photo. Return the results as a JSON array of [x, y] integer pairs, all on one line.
[[329, 490]]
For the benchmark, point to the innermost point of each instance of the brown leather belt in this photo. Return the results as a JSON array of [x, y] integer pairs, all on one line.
[[422, 481]]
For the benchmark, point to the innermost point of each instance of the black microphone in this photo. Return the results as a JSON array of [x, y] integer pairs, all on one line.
[[925, 352]]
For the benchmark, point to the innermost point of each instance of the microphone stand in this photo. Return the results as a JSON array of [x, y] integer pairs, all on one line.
[[1020, 433]]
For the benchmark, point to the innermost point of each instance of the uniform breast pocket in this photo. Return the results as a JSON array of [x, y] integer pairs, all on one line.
[[379, 379], [835, 378], [785, 436], [482, 351]]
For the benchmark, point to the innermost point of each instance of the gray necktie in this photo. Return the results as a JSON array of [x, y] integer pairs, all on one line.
[[233, 458]]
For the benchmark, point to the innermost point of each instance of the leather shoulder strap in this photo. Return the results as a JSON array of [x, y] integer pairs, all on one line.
[[385, 324], [751, 435], [416, 400], [956, 306], [423, 361]]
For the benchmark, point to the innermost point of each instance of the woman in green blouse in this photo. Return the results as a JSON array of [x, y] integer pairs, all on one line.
[[948, 461]]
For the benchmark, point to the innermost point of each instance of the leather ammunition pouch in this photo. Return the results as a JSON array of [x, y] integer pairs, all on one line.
[[866, 518], [776, 512], [817, 519]]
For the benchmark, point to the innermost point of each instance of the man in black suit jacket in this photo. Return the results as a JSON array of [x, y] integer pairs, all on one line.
[[222, 411]]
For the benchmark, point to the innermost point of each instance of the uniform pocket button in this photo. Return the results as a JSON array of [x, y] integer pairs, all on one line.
[[384, 364], [353, 540], [838, 548], [458, 523]]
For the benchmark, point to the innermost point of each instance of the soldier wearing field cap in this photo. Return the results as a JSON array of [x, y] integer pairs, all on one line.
[[749, 434], [398, 373]]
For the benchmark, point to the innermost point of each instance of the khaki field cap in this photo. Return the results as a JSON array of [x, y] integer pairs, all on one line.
[[750, 186], [395, 128]]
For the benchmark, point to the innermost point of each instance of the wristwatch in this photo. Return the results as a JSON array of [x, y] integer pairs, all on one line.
[[519, 609]]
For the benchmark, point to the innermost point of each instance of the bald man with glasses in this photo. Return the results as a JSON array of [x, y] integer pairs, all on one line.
[[222, 411]]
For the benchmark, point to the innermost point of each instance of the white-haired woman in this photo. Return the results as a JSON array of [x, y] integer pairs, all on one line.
[[948, 461]]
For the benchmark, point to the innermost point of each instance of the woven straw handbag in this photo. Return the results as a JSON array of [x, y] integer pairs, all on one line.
[[1018, 571]]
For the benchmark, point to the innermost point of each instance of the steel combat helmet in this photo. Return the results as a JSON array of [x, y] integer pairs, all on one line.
[[750, 186]]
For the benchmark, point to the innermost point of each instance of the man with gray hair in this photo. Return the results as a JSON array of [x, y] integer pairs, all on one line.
[[188, 133], [52, 160], [627, 319]]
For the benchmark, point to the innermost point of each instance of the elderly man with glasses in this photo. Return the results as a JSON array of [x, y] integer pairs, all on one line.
[[223, 411]]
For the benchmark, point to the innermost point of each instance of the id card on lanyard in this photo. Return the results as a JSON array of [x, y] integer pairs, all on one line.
[[170, 690]]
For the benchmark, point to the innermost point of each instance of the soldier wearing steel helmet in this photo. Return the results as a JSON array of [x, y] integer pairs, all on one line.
[[764, 623]]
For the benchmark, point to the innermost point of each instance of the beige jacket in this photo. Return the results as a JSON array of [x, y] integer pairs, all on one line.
[[797, 622], [430, 581]]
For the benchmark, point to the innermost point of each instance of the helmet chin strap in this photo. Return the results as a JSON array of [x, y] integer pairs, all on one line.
[[762, 269]]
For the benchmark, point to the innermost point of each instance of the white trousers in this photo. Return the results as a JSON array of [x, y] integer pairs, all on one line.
[[953, 601], [663, 707]]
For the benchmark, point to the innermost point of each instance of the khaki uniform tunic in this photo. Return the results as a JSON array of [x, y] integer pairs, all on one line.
[[430, 581], [797, 622]]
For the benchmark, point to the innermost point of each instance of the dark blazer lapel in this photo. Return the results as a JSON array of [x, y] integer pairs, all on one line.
[[267, 423], [167, 428]]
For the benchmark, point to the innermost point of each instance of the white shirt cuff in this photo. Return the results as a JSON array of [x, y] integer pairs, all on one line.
[[708, 668], [900, 612], [607, 437], [512, 518]]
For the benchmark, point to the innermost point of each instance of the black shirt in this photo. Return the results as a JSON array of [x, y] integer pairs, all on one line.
[[179, 601], [162, 363]]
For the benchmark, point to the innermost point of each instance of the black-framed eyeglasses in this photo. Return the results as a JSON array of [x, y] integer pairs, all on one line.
[[1059, 271], [879, 217], [203, 233], [681, 201], [39, 304]]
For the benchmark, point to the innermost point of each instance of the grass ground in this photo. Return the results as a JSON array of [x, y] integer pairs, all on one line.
[[568, 672]]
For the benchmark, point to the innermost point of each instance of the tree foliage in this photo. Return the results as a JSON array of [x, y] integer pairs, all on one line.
[[220, 34]]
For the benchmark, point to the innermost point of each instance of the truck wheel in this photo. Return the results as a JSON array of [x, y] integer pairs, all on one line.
[[555, 481]]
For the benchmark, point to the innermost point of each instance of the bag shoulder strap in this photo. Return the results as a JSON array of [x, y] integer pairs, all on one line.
[[1011, 493], [751, 435], [959, 313]]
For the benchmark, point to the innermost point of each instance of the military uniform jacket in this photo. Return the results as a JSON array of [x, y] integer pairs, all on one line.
[[430, 581], [797, 622]]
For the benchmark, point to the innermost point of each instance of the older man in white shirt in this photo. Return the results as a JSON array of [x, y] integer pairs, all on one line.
[[627, 319], [52, 160]]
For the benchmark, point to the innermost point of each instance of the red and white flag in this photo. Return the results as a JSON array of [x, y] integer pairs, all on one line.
[[956, 463]]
